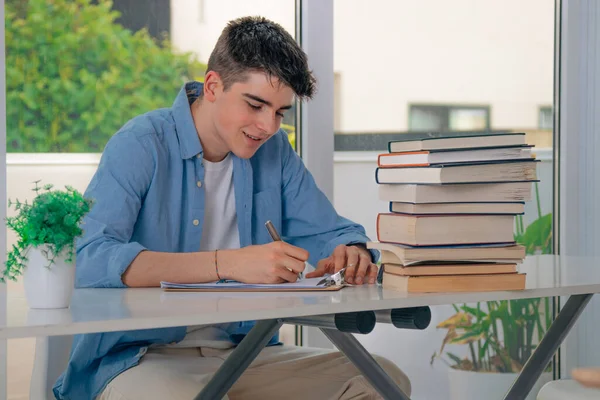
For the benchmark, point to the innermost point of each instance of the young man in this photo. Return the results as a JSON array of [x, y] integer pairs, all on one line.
[[182, 195]]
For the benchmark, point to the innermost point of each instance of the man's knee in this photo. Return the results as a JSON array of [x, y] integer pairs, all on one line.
[[395, 373]]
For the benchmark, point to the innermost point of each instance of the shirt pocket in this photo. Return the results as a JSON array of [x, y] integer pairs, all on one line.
[[266, 206]]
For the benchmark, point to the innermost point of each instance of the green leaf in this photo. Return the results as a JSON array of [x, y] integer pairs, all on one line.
[[454, 357], [537, 237], [477, 313], [468, 337], [484, 348]]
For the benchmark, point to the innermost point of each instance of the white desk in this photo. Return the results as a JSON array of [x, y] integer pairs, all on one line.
[[103, 310]]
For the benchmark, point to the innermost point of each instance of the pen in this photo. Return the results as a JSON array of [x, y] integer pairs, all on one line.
[[272, 231], [276, 238]]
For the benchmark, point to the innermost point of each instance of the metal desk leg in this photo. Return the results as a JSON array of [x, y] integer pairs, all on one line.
[[237, 362], [366, 364], [553, 338]]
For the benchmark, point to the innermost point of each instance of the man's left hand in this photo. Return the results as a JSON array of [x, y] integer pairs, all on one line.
[[357, 260]]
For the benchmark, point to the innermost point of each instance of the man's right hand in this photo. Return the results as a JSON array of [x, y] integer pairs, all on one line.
[[276, 262]]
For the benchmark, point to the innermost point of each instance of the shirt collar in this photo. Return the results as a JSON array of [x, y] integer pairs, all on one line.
[[189, 142]]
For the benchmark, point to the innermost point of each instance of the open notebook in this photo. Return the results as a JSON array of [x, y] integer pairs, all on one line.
[[303, 285]]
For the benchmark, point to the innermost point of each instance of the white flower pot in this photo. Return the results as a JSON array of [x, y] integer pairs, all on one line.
[[48, 286], [469, 385]]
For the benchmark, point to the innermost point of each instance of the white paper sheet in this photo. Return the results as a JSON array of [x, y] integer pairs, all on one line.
[[306, 283]]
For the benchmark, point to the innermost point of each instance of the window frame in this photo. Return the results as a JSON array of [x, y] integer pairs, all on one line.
[[3, 290], [541, 111], [446, 109]]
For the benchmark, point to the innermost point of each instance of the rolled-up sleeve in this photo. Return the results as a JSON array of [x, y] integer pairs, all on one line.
[[310, 220], [124, 174]]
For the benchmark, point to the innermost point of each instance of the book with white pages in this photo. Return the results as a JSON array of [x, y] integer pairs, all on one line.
[[475, 172], [456, 193], [452, 140], [458, 208], [450, 269], [431, 157], [411, 255], [444, 229]]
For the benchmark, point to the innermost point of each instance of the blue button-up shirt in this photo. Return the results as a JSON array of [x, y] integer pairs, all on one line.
[[146, 197]]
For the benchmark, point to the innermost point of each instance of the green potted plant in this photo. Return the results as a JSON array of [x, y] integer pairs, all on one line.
[[500, 335], [44, 252]]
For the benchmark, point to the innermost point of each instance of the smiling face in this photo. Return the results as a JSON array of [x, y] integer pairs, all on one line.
[[245, 115]]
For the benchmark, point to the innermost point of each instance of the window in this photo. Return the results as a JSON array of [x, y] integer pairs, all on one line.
[[421, 118], [107, 62], [337, 101], [545, 118], [470, 65], [425, 117]]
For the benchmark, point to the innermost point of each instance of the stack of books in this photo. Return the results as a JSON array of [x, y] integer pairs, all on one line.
[[453, 200]]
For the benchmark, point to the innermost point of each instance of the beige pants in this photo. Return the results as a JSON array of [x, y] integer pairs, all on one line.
[[279, 372]]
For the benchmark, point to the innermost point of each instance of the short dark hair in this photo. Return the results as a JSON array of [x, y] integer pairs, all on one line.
[[255, 43]]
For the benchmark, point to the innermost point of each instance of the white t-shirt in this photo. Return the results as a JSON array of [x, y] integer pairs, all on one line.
[[220, 231]]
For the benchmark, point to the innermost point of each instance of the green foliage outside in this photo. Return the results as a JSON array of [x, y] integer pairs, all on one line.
[[291, 132], [53, 218], [74, 76]]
